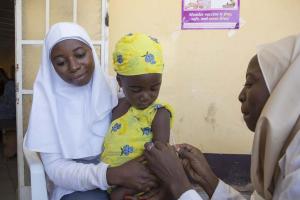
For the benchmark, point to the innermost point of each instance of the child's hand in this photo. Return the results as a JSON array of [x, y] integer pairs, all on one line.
[[135, 175], [164, 162]]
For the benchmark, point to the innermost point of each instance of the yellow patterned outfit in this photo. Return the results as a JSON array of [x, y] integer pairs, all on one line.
[[135, 54], [127, 135]]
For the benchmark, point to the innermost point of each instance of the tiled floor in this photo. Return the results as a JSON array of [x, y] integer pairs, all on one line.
[[8, 177]]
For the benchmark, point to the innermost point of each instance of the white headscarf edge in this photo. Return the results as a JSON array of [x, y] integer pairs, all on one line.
[[280, 65], [46, 133]]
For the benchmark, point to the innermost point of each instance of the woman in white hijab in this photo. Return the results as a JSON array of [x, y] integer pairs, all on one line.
[[71, 110], [271, 107]]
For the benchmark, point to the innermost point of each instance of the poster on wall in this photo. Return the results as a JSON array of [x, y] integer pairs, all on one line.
[[210, 14]]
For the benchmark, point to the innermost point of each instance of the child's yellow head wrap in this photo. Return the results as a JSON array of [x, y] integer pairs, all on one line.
[[137, 54]]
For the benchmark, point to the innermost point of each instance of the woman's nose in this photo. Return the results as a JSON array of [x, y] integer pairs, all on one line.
[[74, 65], [242, 96]]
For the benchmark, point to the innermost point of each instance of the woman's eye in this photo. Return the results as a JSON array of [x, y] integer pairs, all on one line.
[[60, 63], [80, 55]]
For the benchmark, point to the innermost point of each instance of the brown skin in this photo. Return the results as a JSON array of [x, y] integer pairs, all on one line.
[[169, 168], [254, 95], [140, 92], [196, 164], [73, 61], [133, 174], [164, 162]]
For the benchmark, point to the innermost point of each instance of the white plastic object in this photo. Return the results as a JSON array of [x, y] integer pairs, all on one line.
[[37, 175]]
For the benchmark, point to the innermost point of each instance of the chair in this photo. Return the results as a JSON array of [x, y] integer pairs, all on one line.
[[38, 188]]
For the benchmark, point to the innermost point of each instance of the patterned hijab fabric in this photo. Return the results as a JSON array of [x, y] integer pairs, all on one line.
[[137, 54], [280, 65]]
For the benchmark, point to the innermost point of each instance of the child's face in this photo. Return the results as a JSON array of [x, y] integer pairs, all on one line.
[[140, 90], [73, 61]]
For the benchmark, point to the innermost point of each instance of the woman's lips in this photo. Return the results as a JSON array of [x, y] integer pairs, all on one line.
[[246, 116], [244, 110], [78, 77], [245, 113]]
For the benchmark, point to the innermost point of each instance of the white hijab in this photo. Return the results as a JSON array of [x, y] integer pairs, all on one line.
[[67, 119], [280, 65]]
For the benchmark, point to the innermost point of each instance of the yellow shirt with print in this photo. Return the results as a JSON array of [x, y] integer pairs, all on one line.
[[127, 134]]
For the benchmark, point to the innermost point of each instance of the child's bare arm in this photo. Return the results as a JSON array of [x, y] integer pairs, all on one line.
[[120, 109], [161, 132], [161, 125]]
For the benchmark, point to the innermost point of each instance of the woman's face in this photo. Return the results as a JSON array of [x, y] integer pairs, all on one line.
[[254, 95], [73, 61]]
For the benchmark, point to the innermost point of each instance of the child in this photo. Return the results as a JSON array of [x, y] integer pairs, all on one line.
[[139, 117]]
